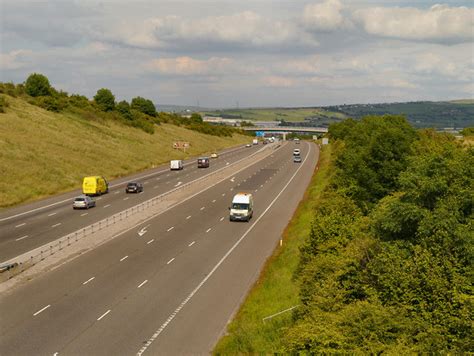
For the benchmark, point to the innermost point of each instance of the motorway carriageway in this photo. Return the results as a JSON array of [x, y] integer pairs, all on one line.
[[170, 291], [33, 225]]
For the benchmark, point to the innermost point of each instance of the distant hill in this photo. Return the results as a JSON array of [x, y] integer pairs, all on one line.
[[440, 114]]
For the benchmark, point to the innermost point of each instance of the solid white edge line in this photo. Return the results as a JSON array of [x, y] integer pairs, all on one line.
[[199, 286], [42, 310], [100, 317]]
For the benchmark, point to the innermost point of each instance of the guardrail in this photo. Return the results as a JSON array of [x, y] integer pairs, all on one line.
[[29, 259]]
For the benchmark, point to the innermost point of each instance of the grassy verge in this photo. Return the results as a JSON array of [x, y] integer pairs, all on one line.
[[44, 153], [275, 290]]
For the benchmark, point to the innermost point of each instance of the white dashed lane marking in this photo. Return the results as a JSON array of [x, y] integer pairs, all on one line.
[[90, 279], [149, 242], [100, 317], [171, 228], [123, 258], [20, 225], [143, 283], [188, 217], [170, 261], [52, 214], [21, 238], [42, 310], [192, 243], [56, 225]]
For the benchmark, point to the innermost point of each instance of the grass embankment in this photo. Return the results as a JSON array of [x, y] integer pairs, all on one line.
[[276, 290], [44, 153]]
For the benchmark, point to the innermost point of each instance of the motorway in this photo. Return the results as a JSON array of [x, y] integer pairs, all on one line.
[[170, 291], [24, 228]]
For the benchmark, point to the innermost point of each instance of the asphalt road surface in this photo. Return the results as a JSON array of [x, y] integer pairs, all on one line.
[[170, 291], [24, 228]]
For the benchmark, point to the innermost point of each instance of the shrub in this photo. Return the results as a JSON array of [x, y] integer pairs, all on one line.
[[37, 85], [143, 105], [105, 100], [3, 104]]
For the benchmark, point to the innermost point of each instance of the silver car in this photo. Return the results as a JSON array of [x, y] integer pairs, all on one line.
[[83, 202]]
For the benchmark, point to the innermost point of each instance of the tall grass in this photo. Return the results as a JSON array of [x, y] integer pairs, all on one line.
[[276, 290], [44, 153]]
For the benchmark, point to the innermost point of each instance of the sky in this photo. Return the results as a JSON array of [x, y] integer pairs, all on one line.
[[228, 53]]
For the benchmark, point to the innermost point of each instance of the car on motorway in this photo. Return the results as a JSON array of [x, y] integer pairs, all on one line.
[[296, 152], [203, 162], [248, 145], [214, 155], [83, 202], [241, 207], [134, 187], [297, 141], [297, 159]]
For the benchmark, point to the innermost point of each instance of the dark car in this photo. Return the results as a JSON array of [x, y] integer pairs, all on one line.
[[203, 162], [134, 187], [83, 202]]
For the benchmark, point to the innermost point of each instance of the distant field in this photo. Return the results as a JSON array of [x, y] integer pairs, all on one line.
[[44, 153], [276, 114]]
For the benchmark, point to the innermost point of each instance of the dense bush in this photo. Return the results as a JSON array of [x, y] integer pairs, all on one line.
[[3, 103], [37, 85], [104, 99], [143, 105], [391, 272]]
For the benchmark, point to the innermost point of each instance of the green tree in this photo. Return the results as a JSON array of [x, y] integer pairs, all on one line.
[[143, 105], [196, 118], [105, 99], [123, 108], [37, 85]]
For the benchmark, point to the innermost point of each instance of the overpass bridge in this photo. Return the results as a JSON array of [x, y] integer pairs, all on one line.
[[287, 129]]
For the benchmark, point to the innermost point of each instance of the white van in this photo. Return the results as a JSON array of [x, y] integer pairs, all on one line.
[[176, 164], [242, 207]]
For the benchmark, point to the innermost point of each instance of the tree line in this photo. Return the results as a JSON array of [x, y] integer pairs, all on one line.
[[140, 112], [388, 265]]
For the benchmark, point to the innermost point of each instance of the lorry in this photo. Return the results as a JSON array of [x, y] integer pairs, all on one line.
[[255, 141], [176, 164], [241, 207], [95, 185]]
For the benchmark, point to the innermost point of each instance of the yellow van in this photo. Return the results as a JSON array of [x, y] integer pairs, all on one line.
[[96, 185]]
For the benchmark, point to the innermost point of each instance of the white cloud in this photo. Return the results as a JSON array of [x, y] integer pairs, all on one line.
[[439, 23], [325, 16], [185, 66], [243, 29], [278, 81], [13, 59]]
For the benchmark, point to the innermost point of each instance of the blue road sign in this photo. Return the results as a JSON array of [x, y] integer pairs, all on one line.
[[259, 133]]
